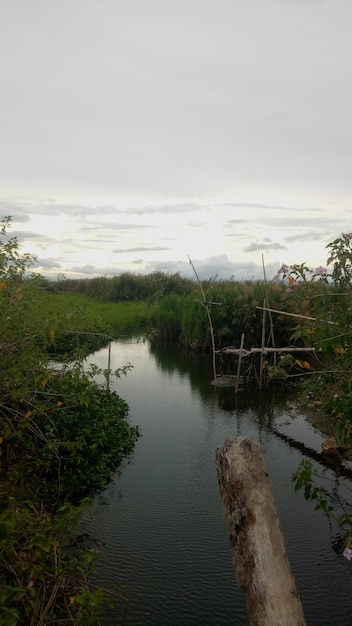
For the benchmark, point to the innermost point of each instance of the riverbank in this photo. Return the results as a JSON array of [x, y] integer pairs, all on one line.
[[62, 437]]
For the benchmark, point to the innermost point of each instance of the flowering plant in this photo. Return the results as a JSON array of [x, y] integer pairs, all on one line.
[[329, 293]]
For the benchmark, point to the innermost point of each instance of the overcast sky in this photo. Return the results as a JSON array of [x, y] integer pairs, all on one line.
[[136, 132]]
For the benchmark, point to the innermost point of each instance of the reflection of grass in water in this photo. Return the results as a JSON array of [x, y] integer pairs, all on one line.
[[226, 381], [112, 315]]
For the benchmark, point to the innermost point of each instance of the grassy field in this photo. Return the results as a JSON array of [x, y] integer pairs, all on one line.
[[114, 317]]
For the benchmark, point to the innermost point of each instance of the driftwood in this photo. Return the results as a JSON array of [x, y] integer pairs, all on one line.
[[258, 549]]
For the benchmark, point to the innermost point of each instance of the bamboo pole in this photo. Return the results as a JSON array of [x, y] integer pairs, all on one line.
[[261, 367], [109, 367], [257, 544], [239, 364], [266, 349], [270, 316], [205, 304], [304, 317]]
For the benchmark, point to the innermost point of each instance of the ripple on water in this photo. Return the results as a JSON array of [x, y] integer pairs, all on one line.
[[160, 526]]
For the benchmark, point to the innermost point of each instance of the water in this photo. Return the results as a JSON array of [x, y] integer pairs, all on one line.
[[159, 525]]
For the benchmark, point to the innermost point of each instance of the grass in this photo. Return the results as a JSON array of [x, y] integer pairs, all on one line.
[[115, 317]]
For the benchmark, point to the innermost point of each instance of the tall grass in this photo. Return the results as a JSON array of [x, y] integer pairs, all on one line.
[[233, 308], [173, 307], [116, 317], [127, 287]]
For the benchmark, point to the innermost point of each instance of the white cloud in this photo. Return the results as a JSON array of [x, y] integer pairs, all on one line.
[[167, 129], [263, 245]]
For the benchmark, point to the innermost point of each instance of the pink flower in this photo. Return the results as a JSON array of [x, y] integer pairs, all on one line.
[[347, 553], [320, 270], [283, 268]]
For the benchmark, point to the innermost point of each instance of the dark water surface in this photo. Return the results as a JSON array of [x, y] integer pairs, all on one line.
[[159, 525]]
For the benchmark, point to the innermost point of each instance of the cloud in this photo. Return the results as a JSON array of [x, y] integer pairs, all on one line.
[[149, 116], [40, 239], [285, 222], [13, 209], [195, 224], [311, 235], [22, 209], [86, 270], [139, 249], [48, 264], [163, 208], [27, 238], [235, 221], [258, 205], [219, 266], [256, 246]]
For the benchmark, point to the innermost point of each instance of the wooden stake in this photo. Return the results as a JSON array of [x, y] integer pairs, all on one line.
[[109, 367], [267, 303], [257, 545], [205, 303], [239, 364], [261, 367]]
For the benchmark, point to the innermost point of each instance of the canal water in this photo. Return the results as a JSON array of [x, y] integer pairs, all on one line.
[[159, 526]]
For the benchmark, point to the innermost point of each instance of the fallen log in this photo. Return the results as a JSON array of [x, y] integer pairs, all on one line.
[[257, 544]]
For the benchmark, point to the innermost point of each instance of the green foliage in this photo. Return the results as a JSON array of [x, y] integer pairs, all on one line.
[[339, 407], [86, 324], [128, 287], [88, 434], [233, 312], [310, 479], [174, 307], [180, 318], [62, 435], [330, 332], [341, 258], [330, 294], [42, 582], [72, 440], [303, 479], [280, 367]]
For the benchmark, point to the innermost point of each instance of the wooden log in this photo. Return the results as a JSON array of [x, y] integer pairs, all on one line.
[[257, 544]]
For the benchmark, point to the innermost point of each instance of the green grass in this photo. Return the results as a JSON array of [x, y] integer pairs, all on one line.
[[118, 317]]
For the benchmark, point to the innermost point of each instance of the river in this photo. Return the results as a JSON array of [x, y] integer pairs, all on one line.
[[159, 526]]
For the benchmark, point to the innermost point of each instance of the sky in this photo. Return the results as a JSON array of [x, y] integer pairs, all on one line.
[[135, 134]]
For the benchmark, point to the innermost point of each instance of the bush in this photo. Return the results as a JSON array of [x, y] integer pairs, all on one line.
[[61, 437]]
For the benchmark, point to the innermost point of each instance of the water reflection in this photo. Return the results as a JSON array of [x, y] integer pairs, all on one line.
[[159, 525]]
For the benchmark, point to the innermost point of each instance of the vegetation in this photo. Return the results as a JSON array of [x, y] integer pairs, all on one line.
[[330, 332], [61, 437], [233, 308], [127, 287], [174, 309], [86, 324], [53, 449]]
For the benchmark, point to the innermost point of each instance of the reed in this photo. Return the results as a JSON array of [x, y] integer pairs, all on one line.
[[173, 307], [185, 319]]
